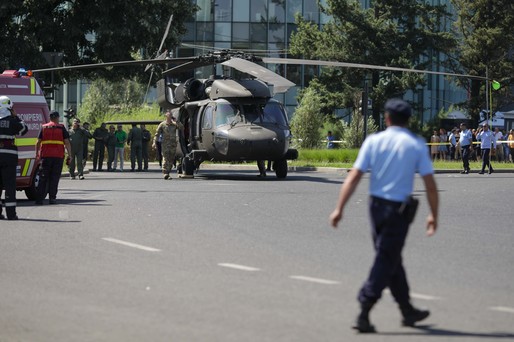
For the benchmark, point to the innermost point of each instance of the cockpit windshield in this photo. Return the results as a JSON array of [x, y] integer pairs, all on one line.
[[271, 112], [226, 114]]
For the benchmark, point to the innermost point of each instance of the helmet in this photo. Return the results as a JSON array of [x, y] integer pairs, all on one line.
[[5, 102]]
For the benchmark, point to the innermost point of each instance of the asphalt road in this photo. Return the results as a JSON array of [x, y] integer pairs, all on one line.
[[230, 257]]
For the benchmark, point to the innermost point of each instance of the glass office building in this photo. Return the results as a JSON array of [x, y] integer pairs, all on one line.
[[263, 27]]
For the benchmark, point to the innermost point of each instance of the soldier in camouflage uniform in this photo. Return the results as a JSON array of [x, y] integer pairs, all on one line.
[[168, 129], [77, 137]]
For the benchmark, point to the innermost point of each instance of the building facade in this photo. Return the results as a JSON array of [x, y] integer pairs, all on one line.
[[263, 27]]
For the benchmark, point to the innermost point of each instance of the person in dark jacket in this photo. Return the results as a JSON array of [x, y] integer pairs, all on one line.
[[10, 126]]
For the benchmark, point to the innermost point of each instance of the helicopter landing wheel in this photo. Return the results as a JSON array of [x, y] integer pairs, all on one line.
[[280, 167], [188, 168]]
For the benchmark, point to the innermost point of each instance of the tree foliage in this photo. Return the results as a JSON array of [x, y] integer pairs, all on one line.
[[103, 98], [88, 31], [308, 120], [400, 33], [486, 39]]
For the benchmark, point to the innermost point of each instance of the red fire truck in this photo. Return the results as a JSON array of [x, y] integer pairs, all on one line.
[[31, 106]]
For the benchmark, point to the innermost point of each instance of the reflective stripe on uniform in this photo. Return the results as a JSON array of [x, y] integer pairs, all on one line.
[[3, 136], [26, 141], [56, 142], [3, 150], [10, 204]]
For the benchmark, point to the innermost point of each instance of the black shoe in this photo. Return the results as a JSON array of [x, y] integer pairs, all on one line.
[[52, 201], [12, 218], [363, 326], [481, 173], [94, 170], [491, 171], [464, 172], [39, 202], [411, 315], [2, 217]]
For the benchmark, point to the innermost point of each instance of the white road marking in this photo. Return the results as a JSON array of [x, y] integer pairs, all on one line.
[[315, 280], [239, 267], [418, 296], [133, 245], [502, 309]]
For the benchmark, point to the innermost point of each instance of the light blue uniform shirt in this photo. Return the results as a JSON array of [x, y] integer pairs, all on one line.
[[486, 138], [465, 138], [393, 157]]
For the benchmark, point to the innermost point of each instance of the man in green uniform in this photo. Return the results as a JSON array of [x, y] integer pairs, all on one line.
[[111, 146], [77, 137], [168, 130], [135, 140], [119, 150]]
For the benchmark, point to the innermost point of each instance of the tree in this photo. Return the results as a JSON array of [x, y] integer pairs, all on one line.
[[103, 97], [308, 120], [485, 47], [88, 31], [400, 33]]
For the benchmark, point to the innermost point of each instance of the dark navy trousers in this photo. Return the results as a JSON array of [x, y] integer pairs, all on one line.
[[389, 230], [49, 176]]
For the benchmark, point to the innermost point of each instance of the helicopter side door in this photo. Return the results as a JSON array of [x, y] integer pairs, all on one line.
[[206, 127]]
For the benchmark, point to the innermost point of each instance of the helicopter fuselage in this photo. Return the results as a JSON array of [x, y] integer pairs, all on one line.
[[235, 125]]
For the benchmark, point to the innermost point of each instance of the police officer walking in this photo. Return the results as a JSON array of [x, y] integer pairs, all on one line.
[[392, 157], [466, 141], [10, 126], [100, 135], [135, 139], [52, 140], [168, 130]]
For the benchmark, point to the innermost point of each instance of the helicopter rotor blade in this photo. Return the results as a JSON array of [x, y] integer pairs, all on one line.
[[165, 34], [117, 64], [280, 84], [363, 66]]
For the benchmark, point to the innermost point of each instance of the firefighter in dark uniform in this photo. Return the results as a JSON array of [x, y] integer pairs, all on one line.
[[393, 157], [10, 126], [100, 135], [52, 140]]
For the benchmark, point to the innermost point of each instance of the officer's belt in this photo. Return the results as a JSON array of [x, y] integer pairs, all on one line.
[[385, 201]]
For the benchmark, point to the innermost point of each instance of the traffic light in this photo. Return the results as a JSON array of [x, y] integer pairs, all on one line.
[[496, 85]]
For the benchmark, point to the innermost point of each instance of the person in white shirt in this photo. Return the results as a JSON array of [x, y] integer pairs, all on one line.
[[486, 139]]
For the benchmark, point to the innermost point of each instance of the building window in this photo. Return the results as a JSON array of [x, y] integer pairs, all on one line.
[[222, 32], [242, 10], [204, 31], [223, 10], [258, 10], [258, 32], [241, 32], [205, 13], [277, 11]]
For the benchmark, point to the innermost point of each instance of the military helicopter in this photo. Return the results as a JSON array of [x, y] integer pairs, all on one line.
[[231, 120]]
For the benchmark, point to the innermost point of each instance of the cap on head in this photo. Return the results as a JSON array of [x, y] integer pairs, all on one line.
[[398, 107], [76, 121], [54, 114]]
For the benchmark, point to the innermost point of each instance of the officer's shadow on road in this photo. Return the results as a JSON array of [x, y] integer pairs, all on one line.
[[431, 330]]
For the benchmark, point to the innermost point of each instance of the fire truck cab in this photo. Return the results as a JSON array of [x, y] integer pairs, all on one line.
[[31, 106]]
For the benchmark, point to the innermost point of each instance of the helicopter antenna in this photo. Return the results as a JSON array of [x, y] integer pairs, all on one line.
[[157, 56]]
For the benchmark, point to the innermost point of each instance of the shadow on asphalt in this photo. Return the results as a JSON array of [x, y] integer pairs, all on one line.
[[253, 175], [430, 330]]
